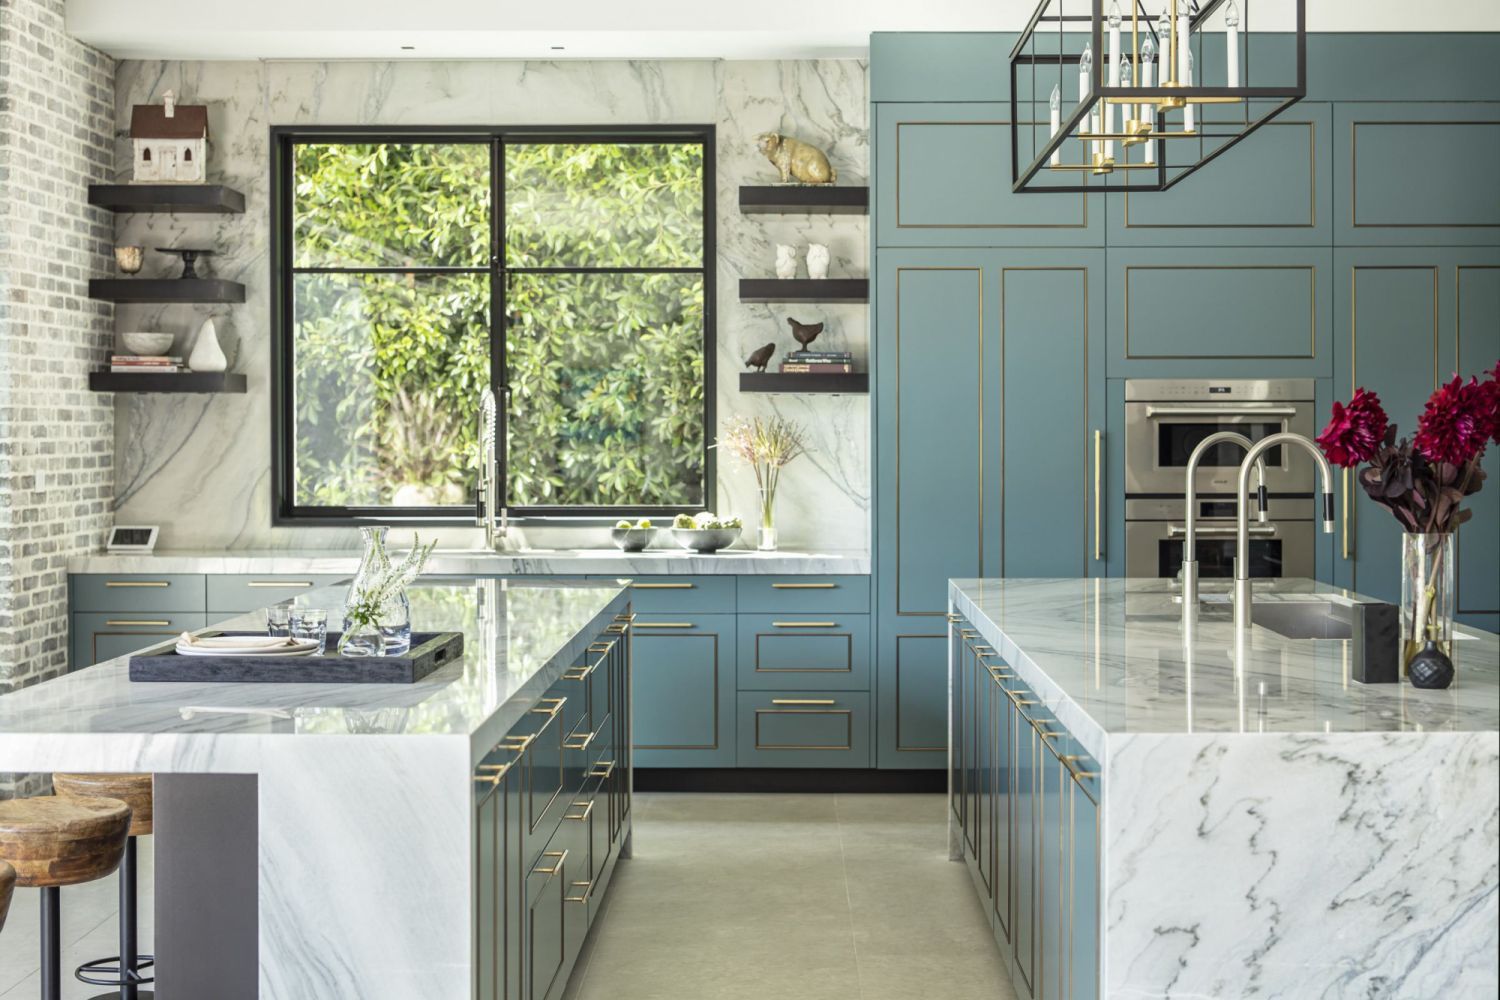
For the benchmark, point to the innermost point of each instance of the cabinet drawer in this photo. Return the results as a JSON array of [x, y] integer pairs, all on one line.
[[671, 594], [681, 707], [804, 729], [139, 592], [99, 637], [237, 594], [808, 594], [804, 651]]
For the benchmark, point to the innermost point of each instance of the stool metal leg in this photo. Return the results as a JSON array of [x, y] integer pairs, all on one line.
[[51, 944], [124, 969]]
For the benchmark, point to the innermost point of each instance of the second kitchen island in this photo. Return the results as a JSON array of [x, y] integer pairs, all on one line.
[[1144, 817], [449, 838]]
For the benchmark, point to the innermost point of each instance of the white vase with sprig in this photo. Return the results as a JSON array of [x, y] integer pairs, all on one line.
[[767, 445], [377, 612]]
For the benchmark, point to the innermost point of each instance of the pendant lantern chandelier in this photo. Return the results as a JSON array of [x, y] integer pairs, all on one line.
[[1113, 95]]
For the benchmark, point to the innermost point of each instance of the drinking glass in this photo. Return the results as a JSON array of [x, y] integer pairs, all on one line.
[[311, 623], [278, 620]]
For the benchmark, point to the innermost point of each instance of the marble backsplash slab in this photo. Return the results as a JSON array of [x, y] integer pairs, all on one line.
[[200, 465]]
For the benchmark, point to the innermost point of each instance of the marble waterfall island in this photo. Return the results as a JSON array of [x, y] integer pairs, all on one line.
[[316, 841], [1147, 817]]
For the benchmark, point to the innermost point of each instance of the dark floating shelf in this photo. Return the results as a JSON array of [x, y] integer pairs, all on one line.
[[804, 289], [851, 382], [166, 290], [773, 199], [166, 382], [179, 198]]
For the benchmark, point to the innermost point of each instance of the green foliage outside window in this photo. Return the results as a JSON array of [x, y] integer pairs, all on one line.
[[606, 369]]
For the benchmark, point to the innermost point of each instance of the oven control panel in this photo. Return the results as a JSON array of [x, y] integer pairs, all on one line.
[[1225, 390]]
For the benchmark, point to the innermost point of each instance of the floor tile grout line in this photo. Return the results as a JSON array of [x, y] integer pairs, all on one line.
[[838, 826]]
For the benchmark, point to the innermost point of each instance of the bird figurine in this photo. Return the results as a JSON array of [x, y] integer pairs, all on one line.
[[760, 357], [805, 333]]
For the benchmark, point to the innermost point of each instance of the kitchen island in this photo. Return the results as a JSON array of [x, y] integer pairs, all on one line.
[[1147, 817], [449, 838]]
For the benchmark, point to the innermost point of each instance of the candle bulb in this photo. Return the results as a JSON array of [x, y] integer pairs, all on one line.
[[1184, 47], [1147, 110], [1127, 110], [1187, 81], [1232, 43], [1054, 105], [1114, 18], [1085, 78]]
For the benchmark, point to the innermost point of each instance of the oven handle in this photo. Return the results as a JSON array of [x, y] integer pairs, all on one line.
[[1256, 530], [1219, 411]]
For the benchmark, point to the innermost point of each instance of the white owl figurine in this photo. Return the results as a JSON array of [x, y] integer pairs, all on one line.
[[786, 261], [817, 261]]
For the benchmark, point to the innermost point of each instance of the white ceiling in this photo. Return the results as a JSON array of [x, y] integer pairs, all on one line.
[[624, 29]]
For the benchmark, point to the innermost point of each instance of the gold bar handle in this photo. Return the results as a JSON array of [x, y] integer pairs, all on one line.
[[583, 742], [588, 809], [802, 701], [967, 633], [556, 703], [497, 772], [601, 647], [136, 621], [805, 624], [137, 583], [577, 673], [518, 747], [664, 586], [279, 583], [1076, 773], [604, 770], [1099, 494], [561, 856], [1348, 548], [582, 897], [955, 619], [625, 618], [618, 629], [664, 625], [803, 586]]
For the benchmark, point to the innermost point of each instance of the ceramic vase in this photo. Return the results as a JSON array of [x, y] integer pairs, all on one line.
[[1427, 592], [207, 355]]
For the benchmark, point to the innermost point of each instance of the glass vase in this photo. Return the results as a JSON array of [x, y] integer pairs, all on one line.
[[382, 629], [1427, 594], [767, 540]]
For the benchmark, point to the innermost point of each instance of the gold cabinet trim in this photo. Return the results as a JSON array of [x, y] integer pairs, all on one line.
[[1312, 279], [1354, 180], [899, 747], [1084, 198], [714, 665], [848, 667], [848, 715]]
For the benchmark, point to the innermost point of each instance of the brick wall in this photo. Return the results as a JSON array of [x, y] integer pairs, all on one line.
[[56, 438]]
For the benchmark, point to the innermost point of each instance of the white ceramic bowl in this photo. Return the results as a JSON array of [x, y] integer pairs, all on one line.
[[147, 343]]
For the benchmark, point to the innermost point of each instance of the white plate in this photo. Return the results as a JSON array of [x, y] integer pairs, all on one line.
[[305, 649]]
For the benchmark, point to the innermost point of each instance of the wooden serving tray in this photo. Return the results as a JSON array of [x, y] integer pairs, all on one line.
[[429, 651]]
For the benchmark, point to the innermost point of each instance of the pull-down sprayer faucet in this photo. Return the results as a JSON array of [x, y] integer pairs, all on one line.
[[1190, 534], [486, 489]]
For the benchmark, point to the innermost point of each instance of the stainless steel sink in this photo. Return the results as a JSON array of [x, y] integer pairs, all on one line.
[[1301, 619]]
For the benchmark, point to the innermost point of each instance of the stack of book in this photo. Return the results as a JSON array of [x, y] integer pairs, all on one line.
[[818, 362], [159, 364]]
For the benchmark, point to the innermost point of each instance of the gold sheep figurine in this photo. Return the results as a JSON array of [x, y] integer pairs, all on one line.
[[796, 159]]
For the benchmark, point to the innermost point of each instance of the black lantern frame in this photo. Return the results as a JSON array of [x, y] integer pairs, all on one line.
[[1214, 137]]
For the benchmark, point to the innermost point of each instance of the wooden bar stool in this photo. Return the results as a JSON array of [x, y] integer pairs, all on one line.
[[7, 886], [53, 841], [122, 971]]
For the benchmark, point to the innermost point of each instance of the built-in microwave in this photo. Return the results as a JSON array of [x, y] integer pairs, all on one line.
[[1280, 546]]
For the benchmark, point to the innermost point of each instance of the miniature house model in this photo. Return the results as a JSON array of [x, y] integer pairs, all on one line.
[[170, 141]]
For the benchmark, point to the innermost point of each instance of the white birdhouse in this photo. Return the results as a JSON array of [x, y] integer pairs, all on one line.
[[170, 142]]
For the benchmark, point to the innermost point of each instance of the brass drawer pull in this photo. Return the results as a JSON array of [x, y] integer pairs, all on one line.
[[582, 897], [664, 625], [518, 747], [802, 701], [805, 624], [557, 704], [561, 856], [604, 770], [588, 809], [279, 583], [137, 583], [967, 633], [984, 650], [1025, 701], [625, 618], [1076, 774], [616, 629], [497, 772], [803, 586], [664, 586], [137, 621], [583, 742], [577, 673], [955, 619], [601, 647]]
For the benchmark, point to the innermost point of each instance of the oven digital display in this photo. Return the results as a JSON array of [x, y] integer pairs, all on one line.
[[1175, 443]]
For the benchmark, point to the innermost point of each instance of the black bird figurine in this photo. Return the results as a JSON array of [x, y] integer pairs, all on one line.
[[760, 357], [805, 333]]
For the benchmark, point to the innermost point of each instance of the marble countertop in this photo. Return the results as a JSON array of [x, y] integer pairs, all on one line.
[[472, 562], [1107, 657], [519, 637]]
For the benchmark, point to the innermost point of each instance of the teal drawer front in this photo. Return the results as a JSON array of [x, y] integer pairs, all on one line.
[[139, 592], [805, 594], [97, 637], [797, 652], [238, 594], [804, 729], [673, 594], [683, 685]]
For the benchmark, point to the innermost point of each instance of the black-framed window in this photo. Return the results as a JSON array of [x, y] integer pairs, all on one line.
[[571, 271]]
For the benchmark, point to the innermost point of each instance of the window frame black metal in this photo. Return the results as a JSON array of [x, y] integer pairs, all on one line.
[[1288, 96], [284, 511]]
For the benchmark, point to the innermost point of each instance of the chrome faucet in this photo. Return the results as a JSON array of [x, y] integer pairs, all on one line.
[[1242, 520], [1190, 533], [486, 489]]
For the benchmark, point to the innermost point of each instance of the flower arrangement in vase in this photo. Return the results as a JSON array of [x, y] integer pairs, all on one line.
[[767, 445], [377, 613], [1423, 481]]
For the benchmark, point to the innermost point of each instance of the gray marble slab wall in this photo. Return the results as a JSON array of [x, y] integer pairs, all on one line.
[[200, 465]]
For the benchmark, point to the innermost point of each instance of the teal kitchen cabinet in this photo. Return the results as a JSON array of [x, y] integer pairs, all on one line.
[[239, 593], [804, 594], [138, 592], [826, 729], [683, 700], [798, 651], [96, 637], [942, 179], [1273, 189], [1406, 319], [1237, 312], [115, 614], [1416, 173]]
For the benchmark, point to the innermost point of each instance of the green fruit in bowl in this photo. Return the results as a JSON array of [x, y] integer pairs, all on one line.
[[683, 521], [644, 522], [623, 525]]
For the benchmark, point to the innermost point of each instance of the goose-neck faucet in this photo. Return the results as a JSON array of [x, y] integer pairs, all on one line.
[[486, 489], [1190, 532], [1242, 519]]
